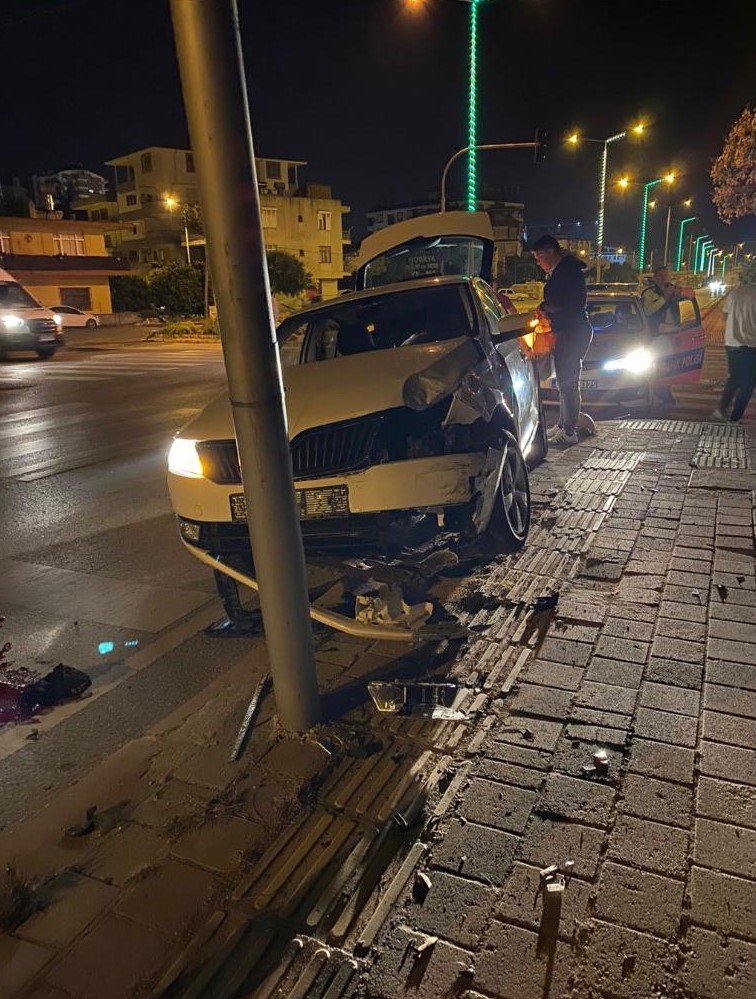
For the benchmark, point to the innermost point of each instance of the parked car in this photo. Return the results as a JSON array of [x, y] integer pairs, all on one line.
[[25, 325], [630, 362], [76, 317], [412, 398]]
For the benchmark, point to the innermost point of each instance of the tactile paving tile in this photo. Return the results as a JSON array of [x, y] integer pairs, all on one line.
[[719, 450]]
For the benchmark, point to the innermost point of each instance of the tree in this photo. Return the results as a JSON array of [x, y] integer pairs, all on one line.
[[734, 171], [130, 293], [178, 288], [287, 274]]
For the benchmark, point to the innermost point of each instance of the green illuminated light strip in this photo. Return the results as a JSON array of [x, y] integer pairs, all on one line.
[[644, 218], [683, 223], [472, 115]]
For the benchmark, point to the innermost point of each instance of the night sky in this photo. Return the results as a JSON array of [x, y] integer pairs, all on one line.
[[373, 97]]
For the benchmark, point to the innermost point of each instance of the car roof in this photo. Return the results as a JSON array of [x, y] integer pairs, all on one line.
[[384, 289], [626, 296]]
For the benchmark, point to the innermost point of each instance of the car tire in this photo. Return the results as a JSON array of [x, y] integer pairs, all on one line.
[[508, 528], [45, 353], [91, 324], [541, 439]]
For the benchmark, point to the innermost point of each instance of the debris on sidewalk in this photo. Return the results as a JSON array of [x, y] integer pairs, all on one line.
[[433, 700], [86, 827], [421, 887], [381, 603], [260, 690], [23, 691]]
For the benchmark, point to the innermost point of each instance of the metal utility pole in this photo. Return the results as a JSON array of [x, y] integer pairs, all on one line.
[[208, 44], [537, 145]]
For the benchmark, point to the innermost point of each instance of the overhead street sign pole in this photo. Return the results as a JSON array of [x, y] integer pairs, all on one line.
[[208, 44]]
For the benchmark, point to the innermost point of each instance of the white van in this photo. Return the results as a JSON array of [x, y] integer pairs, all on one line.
[[25, 325]]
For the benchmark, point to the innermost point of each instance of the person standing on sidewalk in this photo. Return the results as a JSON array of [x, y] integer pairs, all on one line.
[[740, 344], [564, 304]]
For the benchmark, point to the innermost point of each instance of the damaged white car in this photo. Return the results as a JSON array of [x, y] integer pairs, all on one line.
[[411, 401]]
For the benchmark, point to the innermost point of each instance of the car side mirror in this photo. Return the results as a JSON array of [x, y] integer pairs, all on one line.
[[512, 327]]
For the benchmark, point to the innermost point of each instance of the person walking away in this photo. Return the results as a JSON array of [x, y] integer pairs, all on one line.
[[564, 304], [740, 344], [661, 299]]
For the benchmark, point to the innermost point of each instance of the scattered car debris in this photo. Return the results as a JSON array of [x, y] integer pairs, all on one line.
[[548, 872], [555, 884], [722, 591], [421, 887], [260, 691], [381, 603], [86, 827], [568, 867], [434, 700], [423, 943], [23, 691]]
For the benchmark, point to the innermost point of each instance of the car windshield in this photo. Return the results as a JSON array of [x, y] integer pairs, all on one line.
[[419, 315], [612, 315], [425, 257], [13, 296]]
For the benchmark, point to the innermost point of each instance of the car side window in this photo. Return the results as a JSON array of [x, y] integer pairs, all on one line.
[[290, 350], [490, 305]]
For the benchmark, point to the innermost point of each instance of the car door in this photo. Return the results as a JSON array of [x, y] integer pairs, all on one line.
[[520, 367]]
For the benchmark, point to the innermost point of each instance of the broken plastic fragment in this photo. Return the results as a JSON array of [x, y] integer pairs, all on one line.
[[434, 700], [550, 871], [421, 887], [386, 605]]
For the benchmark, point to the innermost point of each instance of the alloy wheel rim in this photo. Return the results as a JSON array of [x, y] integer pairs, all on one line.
[[514, 492]]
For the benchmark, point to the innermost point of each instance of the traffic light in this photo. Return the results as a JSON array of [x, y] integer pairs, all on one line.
[[540, 149]]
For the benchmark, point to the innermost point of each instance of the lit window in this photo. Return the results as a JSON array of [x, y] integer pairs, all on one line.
[[324, 253], [131, 199], [146, 162], [5, 242], [70, 245], [324, 221], [270, 218]]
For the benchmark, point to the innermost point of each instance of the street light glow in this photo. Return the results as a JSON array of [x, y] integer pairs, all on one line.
[[623, 181], [574, 138], [639, 128], [170, 202], [670, 178]]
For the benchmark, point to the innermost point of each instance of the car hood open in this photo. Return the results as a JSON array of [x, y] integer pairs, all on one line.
[[344, 388]]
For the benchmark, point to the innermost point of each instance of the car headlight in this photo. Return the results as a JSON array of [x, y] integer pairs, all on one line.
[[183, 459], [636, 362], [57, 319], [12, 322]]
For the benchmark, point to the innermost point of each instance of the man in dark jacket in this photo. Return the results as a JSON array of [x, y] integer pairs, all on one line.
[[564, 304]]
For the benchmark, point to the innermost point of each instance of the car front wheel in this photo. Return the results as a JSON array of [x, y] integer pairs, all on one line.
[[508, 528], [91, 324], [45, 353]]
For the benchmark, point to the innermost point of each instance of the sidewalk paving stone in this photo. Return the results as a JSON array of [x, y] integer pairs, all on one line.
[[676, 648], [455, 908], [624, 964], [116, 957], [738, 631], [571, 755], [652, 846], [171, 899], [575, 800], [541, 701], [514, 966], [509, 773], [622, 674], [500, 805], [76, 901], [689, 631], [550, 841], [608, 719], [730, 700], [731, 650], [521, 900], [559, 650], [673, 609], [126, 854], [554, 675], [735, 596], [533, 733], [667, 697], [607, 697], [728, 962], [728, 762], [725, 847], [639, 900], [722, 902], [675, 673], [623, 649], [20, 961], [618, 627], [439, 971], [733, 612], [220, 845], [663, 760], [659, 800], [731, 674], [476, 851], [521, 756], [731, 729], [726, 801], [663, 726]]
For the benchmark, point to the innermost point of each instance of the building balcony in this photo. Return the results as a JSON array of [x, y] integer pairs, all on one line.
[[63, 263]]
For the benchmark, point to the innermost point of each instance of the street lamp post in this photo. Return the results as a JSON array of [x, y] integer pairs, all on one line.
[[170, 204], [472, 110], [669, 179], [605, 143], [461, 152], [683, 223], [697, 253], [738, 248]]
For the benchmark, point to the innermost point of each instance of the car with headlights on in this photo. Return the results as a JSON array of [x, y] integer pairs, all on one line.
[[632, 360], [411, 399], [71, 316], [25, 325]]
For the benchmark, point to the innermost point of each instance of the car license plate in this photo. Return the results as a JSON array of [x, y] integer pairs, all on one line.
[[588, 384], [313, 504]]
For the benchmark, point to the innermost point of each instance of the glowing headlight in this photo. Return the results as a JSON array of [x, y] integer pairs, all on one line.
[[636, 362], [183, 459], [12, 322], [57, 319]]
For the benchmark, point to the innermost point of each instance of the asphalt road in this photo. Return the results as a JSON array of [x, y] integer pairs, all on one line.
[[90, 565]]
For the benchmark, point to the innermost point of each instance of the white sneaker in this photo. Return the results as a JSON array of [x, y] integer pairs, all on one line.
[[718, 415], [553, 431], [564, 438]]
